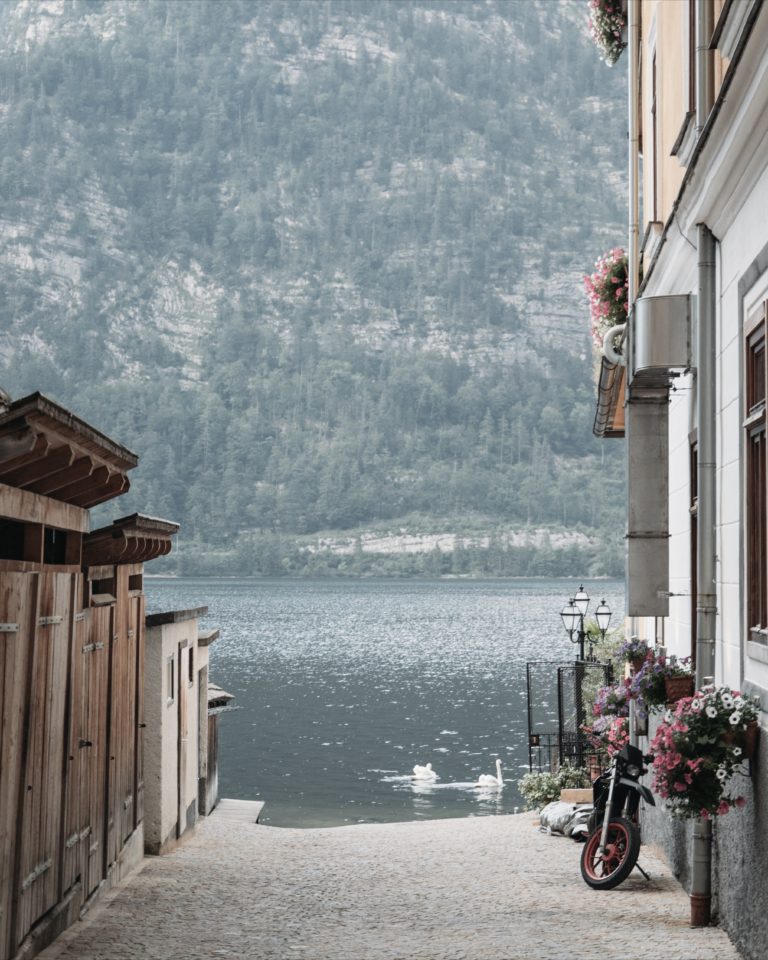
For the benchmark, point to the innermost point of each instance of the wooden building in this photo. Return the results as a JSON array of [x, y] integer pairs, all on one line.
[[71, 671]]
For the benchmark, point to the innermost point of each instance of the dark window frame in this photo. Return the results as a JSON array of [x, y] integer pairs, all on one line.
[[756, 477]]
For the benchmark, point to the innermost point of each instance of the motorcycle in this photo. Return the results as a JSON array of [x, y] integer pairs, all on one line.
[[612, 847]]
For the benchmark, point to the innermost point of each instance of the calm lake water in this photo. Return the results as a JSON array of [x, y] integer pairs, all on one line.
[[342, 686]]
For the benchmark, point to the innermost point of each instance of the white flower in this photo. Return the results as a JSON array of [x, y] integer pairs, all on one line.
[[737, 751], [727, 701], [668, 717], [696, 704], [721, 774], [738, 703], [712, 711], [735, 718]]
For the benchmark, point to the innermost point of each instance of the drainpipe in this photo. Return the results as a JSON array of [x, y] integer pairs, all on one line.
[[633, 240], [706, 606], [633, 251]]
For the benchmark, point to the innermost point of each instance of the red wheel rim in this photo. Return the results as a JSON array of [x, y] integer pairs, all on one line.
[[599, 866]]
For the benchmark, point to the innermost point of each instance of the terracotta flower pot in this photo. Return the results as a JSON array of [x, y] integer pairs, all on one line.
[[679, 687]]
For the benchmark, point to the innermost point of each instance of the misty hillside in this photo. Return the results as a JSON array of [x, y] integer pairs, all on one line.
[[319, 264]]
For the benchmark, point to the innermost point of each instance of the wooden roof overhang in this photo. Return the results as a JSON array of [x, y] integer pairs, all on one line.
[[47, 450], [133, 539], [609, 416]]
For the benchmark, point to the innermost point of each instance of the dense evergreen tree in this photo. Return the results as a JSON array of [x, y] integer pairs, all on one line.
[[318, 264]]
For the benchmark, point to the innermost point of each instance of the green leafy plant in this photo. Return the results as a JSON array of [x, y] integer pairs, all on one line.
[[540, 788]]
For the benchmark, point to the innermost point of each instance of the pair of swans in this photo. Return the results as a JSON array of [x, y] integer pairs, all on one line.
[[486, 780]]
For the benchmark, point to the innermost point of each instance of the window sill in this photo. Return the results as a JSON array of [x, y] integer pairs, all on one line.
[[757, 651]]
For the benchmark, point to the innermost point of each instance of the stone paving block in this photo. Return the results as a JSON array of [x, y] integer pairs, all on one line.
[[481, 888]]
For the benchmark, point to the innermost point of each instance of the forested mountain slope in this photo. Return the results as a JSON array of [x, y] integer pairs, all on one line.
[[318, 262]]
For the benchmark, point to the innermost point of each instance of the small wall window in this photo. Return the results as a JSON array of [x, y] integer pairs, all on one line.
[[54, 546], [135, 581], [11, 540], [170, 680], [191, 666]]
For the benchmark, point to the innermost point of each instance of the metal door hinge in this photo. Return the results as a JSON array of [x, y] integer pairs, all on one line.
[[9, 628], [49, 621], [37, 872]]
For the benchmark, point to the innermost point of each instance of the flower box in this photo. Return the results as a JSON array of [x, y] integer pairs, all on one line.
[[679, 687], [746, 739]]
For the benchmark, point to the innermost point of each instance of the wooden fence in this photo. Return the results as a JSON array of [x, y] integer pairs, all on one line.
[[71, 730]]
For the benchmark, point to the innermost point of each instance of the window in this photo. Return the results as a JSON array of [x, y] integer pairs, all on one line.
[[756, 514], [170, 674], [191, 666]]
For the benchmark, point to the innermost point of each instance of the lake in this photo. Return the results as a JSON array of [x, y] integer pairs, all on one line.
[[343, 685]]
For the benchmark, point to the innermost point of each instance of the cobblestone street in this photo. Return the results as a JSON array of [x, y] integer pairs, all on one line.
[[485, 888]]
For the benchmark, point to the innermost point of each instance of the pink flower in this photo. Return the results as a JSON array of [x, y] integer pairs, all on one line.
[[723, 807], [740, 802]]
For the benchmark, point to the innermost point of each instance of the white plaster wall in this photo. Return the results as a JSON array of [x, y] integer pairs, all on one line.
[[161, 733], [746, 236], [152, 740], [678, 627]]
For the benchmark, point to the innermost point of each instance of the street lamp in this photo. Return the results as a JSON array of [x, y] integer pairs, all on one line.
[[573, 614]]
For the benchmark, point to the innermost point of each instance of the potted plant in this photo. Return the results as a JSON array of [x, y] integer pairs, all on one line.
[[635, 652], [607, 23], [608, 734], [661, 680], [612, 701], [606, 290], [697, 749]]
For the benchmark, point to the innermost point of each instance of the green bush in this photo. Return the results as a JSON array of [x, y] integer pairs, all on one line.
[[539, 789]]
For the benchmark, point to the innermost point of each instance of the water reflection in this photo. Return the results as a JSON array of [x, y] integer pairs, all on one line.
[[344, 686]]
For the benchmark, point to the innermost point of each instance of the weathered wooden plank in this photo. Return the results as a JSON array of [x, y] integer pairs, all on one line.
[[57, 480], [36, 447], [56, 459], [18, 604], [75, 756], [100, 636], [244, 811], [28, 837], [34, 508], [137, 606]]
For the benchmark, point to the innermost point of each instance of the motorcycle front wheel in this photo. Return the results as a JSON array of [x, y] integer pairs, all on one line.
[[608, 869]]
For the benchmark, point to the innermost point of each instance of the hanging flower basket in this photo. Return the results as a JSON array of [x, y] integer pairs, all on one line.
[[679, 687], [607, 26], [606, 291], [698, 748]]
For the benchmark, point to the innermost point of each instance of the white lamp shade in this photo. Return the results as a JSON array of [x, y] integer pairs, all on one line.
[[570, 614], [603, 616], [581, 600]]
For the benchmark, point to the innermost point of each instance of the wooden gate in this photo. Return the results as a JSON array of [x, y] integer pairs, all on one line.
[[37, 880]]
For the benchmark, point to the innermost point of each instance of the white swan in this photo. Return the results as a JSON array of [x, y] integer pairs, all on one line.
[[424, 773], [487, 780]]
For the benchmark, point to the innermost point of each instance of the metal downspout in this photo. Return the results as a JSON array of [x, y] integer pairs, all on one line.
[[633, 239], [706, 606]]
